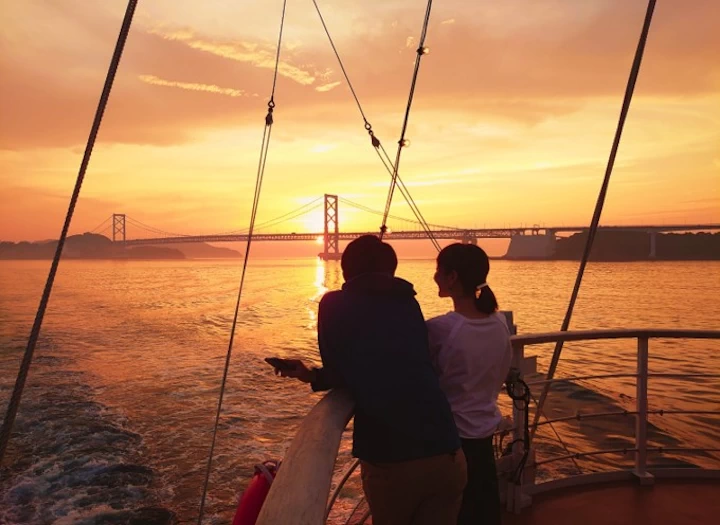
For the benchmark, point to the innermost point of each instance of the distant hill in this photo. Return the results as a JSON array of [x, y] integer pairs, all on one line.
[[85, 246], [201, 250], [93, 246], [635, 246]]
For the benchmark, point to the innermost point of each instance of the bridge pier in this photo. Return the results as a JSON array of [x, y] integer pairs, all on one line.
[[653, 245], [538, 246]]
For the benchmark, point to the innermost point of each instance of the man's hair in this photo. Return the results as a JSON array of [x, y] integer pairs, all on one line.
[[368, 254]]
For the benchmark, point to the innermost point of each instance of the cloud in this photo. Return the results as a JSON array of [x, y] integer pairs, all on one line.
[[537, 68], [193, 86], [327, 87], [248, 52]]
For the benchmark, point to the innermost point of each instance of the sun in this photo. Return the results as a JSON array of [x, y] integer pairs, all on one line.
[[319, 240]]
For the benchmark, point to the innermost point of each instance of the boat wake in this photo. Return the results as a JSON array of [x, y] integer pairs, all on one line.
[[70, 459]]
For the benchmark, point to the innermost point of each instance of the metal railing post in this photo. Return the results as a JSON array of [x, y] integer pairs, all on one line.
[[518, 412], [642, 412], [514, 501]]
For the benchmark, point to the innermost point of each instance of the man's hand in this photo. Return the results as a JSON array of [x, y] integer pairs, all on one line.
[[299, 371]]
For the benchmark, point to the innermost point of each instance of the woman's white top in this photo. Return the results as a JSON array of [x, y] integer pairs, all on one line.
[[472, 358]]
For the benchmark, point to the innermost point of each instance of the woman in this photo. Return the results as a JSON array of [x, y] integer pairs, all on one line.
[[472, 352]]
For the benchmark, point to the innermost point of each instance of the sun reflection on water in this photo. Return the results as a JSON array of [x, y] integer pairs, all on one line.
[[327, 277]]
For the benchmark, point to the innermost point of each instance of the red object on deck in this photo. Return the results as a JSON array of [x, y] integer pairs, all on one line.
[[252, 499]]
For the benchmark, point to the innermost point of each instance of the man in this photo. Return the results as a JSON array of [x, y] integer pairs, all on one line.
[[374, 343]]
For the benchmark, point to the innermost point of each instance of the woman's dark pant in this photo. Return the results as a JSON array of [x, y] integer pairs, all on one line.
[[481, 499]]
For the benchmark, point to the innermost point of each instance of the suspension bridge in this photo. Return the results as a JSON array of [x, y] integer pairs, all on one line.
[[529, 241]]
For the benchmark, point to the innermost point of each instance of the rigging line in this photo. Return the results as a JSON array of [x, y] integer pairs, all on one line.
[[408, 198], [368, 127], [413, 205], [37, 324], [411, 202], [256, 201], [258, 183], [342, 66], [557, 434], [416, 210], [421, 50], [277, 56], [634, 72]]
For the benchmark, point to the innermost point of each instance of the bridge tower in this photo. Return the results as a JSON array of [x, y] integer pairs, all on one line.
[[331, 234], [118, 230]]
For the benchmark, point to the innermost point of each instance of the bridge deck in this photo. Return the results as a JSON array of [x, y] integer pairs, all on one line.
[[457, 234]]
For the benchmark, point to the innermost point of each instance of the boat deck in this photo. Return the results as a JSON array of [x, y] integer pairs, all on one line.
[[664, 503]]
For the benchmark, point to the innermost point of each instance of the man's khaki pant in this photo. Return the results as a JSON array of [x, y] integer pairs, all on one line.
[[425, 491]]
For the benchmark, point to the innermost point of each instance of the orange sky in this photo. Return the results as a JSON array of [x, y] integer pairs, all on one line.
[[513, 119]]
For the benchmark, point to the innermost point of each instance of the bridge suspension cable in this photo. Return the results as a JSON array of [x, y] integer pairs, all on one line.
[[275, 222], [595, 222], [302, 210], [152, 229], [14, 403], [377, 145], [297, 212], [397, 218], [106, 223], [265, 145]]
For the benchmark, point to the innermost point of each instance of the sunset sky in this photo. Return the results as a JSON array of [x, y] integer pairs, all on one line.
[[513, 120]]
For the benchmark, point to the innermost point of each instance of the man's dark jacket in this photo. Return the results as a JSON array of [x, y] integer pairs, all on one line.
[[373, 341]]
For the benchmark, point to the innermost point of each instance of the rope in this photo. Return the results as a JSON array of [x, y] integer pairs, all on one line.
[[557, 435], [635, 70], [253, 215], [37, 324], [411, 202], [377, 145], [421, 50], [368, 126]]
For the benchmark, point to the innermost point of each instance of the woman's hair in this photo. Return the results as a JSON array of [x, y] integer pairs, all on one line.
[[472, 266]]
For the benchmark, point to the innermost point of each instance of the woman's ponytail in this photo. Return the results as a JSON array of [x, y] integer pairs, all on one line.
[[485, 301]]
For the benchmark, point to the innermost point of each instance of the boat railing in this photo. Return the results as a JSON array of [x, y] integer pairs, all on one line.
[[301, 492], [519, 495]]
